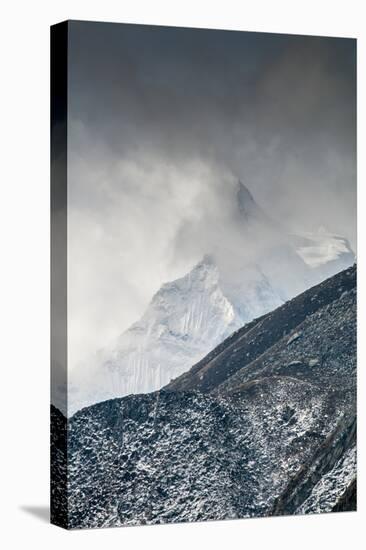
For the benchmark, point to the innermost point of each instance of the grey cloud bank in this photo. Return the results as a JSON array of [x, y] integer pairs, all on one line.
[[162, 123]]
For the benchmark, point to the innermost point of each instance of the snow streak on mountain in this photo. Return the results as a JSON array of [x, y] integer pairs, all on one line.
[[188, 317]]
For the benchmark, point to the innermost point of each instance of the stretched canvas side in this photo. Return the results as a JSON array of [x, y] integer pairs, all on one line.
[[59, 509]]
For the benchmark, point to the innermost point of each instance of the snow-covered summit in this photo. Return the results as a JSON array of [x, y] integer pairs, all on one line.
[[246, 203], [185, 319], [318, 249]]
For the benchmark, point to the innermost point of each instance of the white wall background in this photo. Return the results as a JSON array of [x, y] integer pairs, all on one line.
[[24, 234]]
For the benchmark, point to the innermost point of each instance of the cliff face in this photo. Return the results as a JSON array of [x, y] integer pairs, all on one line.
[[264, 425]]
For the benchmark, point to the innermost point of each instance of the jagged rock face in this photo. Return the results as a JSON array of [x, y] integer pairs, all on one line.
[[273, 433], [190, 316]]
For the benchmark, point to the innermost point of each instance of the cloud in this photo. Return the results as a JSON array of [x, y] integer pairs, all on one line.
[[162, 122]]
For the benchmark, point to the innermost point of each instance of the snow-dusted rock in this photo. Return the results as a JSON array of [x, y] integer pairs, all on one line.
[[251, 430]]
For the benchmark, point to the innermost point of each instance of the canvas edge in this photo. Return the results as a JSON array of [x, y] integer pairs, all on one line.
[[58, 222]]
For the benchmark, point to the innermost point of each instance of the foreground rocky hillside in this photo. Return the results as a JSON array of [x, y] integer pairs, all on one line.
[[264, 425]]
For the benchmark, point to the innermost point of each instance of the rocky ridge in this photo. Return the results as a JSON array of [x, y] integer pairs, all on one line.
[[264, 425]]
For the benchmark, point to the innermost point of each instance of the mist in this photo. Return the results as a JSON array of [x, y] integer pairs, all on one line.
[[163, 122]]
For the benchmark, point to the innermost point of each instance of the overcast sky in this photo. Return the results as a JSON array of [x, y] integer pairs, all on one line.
[[162, 122]]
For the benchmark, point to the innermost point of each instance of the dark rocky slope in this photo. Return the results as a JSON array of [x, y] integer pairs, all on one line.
[[59, 488], [264, 425], [249, 343]]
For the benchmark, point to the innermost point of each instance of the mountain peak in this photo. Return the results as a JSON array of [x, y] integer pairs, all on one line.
[[246, 202], [208, 259]]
